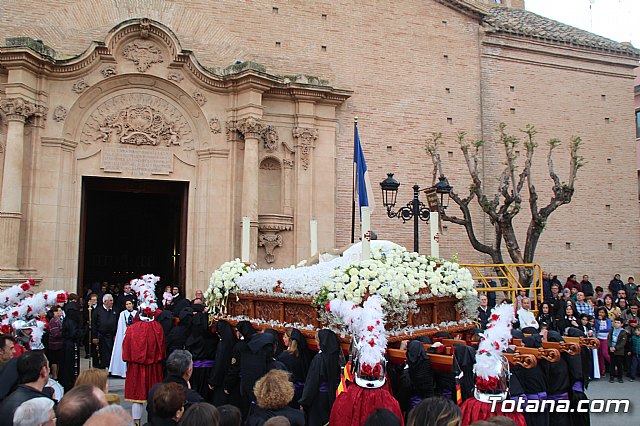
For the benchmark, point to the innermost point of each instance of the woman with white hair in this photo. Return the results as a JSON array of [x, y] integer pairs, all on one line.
[[35, 412]]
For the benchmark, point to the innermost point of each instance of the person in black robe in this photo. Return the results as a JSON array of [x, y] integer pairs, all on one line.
[[178, 335], [296, 359], [232, 386], [535, 383], [104, 325], [579, 370], [277, 341], [322, 380], [224, 351], [165, 319], [202, 344], [465, 359], [72, 336], [91, 349], [558, 383], [420, 373]]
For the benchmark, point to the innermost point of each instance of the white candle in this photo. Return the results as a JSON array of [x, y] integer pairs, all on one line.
[[313, 229], [365, 224], [246, 238], [434, 222]]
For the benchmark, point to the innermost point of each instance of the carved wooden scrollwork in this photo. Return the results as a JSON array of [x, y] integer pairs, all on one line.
[[304, 314], [269, 311]]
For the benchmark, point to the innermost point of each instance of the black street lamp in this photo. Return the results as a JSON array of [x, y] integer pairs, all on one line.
[[415, 209]]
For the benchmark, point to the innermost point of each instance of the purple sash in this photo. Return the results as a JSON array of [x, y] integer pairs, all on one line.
[[298, 386], [540, 396], [413, 401], [203, 363], [559, 396], [323, 387], [577, 386]]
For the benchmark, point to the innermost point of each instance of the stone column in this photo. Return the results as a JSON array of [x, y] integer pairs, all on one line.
[[17, 110], [305, 138], [251, 128]]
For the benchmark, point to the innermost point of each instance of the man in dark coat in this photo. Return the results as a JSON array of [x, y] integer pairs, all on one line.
[[127, 294], [202, 344], [104, 325], [586, 286], [224, 353], [72, 336], [91, 349], [8, 366], [484, 312], [33, 373], [179, 370], [615, 285]]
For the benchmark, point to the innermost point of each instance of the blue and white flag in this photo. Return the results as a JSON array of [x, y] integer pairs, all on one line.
[[365, 190]]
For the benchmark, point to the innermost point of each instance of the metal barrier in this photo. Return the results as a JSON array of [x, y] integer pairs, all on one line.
[[506, 280]]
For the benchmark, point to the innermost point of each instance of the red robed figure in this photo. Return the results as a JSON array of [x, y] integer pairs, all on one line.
[[143, 350]]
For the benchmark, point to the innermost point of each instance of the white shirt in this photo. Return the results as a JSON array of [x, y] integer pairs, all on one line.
[[527, 319]]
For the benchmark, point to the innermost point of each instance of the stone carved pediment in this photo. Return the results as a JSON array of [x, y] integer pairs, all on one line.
[[143, 53], [138, 120], [305, 136]]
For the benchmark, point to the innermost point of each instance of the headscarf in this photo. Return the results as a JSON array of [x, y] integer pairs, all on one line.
[[554, 336], [330, 360], [246, 329], [533, 341], [415, 353], [276, 340], [303, 349]]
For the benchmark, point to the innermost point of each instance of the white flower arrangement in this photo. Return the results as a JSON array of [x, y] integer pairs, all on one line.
[[224, 281]]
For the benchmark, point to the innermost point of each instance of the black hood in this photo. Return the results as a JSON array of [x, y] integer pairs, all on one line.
[[554, 336], [329, 343], [261, 341], [415, 352], [533, 341], [246, 329]]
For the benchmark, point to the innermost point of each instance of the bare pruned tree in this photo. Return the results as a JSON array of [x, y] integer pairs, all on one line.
[[505, 203]]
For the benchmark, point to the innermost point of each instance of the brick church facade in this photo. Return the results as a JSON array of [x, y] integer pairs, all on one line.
[[187, 116]]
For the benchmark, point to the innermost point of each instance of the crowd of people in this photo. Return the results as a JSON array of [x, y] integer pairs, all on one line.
[[188, 370]]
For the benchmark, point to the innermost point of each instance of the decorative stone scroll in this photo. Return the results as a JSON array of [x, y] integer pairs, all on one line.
[[214, 126], [305, 136], [135, 119], [175, 76], [109, 71], [199, 98], [250, 127], [80, 86], [270, 138], [270, 242], [60, 113], [143, 54]]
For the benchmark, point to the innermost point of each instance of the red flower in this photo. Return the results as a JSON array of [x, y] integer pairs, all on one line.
[[25, 286], [327, 307], [496, 345], [370, 328], [46, 296], [495, 317], [367, 370], [29, 309], [279, 282], [31, 282], [14, 313], [372, 342], [61, 298], [6, 329]]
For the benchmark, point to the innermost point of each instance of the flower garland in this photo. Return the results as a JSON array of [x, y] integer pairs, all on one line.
[[224, 281]]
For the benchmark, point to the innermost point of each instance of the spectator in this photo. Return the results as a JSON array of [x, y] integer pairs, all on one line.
[[603, 326], [583, 307], [273, 394], [621, 295], [277, 421], [230, 415], [168, 403], [484, 312], [79, 404], [612, 310], [635, 353], [567, 320], [572, 282], [528, 323], [104, 324], [630, 318], [201, 414], [33, 375], [546, 287], [574, 294], [616, 341], [94, 376], [491, 295], [8, 365], [382, 417], [545, 319], [599, 296], [35, 412], [557, 302], [435, 411], [631, 289], [616, 284], [111, 415], [179, 368], [586, 287], [54, 347]]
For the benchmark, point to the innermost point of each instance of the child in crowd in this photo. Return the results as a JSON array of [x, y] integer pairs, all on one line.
[[635, 352], [616, 341]]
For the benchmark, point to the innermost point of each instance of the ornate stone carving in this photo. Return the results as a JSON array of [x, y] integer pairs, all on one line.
[[275, 222], [80, 86], [270, 164], [270, 242], [288, 164], [250, 127], [270, 138], [175, 76], [305, 137], [214, 126], [143, 54], [199, 98], [138, 120], [145, 26], [109, 71], [60, 113], [21, 108], [231, 129]]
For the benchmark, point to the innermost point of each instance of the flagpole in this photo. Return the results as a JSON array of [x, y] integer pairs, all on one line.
[[353, 184]]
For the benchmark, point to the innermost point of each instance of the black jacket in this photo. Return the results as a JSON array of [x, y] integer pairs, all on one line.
[[191, 396], [12, 402], [261, 415]]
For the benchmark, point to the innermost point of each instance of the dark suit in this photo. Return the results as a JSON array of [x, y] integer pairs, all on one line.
[[104, 325], [14, 400]]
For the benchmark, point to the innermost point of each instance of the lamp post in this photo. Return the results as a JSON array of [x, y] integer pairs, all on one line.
[[415, 209]]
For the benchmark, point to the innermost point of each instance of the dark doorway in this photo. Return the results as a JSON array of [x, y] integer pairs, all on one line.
[[130, 228]]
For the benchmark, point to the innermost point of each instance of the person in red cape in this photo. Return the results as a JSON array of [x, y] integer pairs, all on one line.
[[355, 405], [143, 349]]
